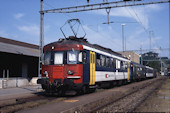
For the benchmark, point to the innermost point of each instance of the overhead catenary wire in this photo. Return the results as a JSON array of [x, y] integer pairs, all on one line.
[[137, 17], [98, 32], [50, 6]]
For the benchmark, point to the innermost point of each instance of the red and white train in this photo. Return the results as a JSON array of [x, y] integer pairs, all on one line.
[[75, 64]]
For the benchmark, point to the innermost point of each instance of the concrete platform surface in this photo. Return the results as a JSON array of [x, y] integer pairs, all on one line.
[[10, 93]]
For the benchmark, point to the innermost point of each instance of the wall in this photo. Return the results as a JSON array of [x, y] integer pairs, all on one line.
[[132, 56], [18, 82], [18, 65]]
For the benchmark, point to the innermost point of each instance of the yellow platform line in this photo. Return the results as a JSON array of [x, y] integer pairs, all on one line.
[[72, 101]]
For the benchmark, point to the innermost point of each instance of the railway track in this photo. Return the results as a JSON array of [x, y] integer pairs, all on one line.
[[130, 101], [16, 104], [145, 97]]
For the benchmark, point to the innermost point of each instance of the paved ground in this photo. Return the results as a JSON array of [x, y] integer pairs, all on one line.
[[19, 92]]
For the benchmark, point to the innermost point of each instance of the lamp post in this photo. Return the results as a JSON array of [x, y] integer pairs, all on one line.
[[123, 38]]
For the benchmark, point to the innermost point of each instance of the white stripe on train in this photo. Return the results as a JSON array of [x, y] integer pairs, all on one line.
[[108, 76], [105, 53]]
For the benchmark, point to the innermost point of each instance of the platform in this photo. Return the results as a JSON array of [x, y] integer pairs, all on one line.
[[16, 92]]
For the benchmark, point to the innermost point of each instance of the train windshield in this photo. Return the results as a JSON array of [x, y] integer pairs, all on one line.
[[47, 58], [58, 58], [62, 57], [74, 57]]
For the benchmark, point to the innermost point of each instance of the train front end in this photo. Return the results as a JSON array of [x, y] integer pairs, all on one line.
[[62, 68]]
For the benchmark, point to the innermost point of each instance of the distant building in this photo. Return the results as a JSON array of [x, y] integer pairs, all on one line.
[[18, 63], [133, 56], [160, 63], [150, 56]]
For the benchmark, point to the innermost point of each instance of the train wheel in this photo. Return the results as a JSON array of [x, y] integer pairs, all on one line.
[[111, 85], [48, 93], [91, 90], [125, 82], [61, 93], [84, 90], [120, 83]]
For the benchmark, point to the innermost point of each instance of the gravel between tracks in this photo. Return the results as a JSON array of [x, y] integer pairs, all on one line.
[[117, 92], [130, 101]]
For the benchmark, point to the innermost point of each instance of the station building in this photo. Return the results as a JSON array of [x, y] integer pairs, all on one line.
[[18, 63], [133, 56]]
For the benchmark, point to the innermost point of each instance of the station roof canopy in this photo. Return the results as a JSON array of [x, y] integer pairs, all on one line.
[[17, 47]]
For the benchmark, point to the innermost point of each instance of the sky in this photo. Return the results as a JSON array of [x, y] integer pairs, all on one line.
[[20, 20]]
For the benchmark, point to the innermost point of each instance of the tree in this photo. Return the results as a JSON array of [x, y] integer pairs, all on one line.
[[155, 65]]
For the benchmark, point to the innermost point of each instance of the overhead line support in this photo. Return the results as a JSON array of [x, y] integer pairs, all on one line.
[[104, 6]]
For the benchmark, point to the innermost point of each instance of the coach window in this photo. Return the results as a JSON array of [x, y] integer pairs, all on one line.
[[140, 68], [98, 60], [121, 63], [103, 60], [107, 62], [126, 65], [117, 64], [113, 63]]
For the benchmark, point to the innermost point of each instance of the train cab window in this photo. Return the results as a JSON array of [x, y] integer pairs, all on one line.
[[58, 57], [98, 63], [84, 57], [103, 61], [80, 57], [72, 57], [47, 58], [107, 62]]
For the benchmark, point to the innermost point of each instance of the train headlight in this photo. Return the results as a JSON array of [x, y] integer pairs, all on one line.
[[70, 72], [45, 73]]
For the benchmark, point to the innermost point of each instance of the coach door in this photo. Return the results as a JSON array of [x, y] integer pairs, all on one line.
[[128, 70], [92, 68]]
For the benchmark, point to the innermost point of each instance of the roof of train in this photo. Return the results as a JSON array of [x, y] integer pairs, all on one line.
[[134, 63], [82, 41]]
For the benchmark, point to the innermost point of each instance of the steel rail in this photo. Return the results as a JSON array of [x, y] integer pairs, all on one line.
[[27, 99], [119, 98]]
